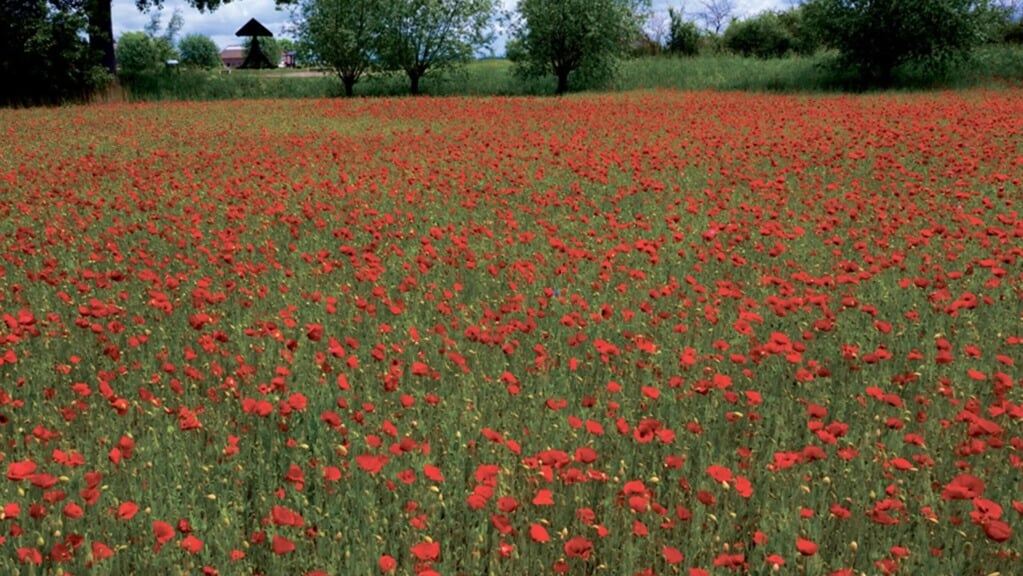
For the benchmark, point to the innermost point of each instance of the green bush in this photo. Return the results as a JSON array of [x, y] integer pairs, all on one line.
[[683, 35], [199, 51], [138, 53], [762, 36], [876, 41]]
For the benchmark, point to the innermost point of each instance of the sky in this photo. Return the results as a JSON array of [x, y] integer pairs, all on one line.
[[221, 24]]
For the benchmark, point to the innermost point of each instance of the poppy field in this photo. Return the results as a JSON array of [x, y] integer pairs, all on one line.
[[645, 333]]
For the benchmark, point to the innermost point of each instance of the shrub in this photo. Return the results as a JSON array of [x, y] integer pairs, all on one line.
[[762, 36], [684, 36], [199, 51]]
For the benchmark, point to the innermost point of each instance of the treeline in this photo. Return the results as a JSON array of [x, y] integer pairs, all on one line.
[[54, 51]]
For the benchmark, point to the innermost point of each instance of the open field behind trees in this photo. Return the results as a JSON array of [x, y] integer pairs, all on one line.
[[648, 333], [990, 65]]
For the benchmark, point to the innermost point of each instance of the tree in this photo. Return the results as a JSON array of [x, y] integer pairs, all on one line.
[[683, 35], [875, 37], [163, 44], [149, 51], [44, 58], [566, 36], [339, 34], [269, 46], [717, 13], [762, 36], [199, 51], [416, 36], [136, 54]]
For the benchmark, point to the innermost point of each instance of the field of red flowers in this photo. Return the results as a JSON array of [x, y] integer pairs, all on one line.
[[651, 333]]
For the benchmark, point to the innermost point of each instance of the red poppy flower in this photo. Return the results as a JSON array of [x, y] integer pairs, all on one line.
[[578, 547], [544, 497], [281, 545], [387, 564], [101, 551], [997, 530], [127, 510], [427, 551], [18, 471], [538, 533], [672, 555], [806, 547], [191, 544]]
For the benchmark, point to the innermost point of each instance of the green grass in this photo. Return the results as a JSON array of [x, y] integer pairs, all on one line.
[[495, 77]]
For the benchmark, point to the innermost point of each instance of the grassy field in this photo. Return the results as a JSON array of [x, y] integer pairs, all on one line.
[[989, 66], [659, 332]]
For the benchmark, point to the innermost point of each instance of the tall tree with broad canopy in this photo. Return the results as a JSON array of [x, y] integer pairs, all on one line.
[[875, 37], [416, 36], [340, 34], [44, 55], [563, 36]]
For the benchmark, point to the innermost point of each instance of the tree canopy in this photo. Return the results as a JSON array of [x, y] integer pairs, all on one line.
[[340, 34], [44, 58], [199, 51], [562, 37], [875, 37], [416, 36]]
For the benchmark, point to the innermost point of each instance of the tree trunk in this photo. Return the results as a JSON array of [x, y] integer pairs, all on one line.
[[101, 32], [349, 82], [413, 77], [562, 82]]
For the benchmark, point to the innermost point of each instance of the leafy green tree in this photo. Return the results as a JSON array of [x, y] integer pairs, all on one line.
[[875, 37], [762, 36], [416, 36], [44, 58], [340, 34], [270, 48], [561, 37], [683, 35], [148, 51], [199, 51], [803, 39], [137, 53]]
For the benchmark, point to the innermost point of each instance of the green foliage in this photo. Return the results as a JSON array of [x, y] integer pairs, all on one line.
[[874, 38], [563, 37], [415, 36], [199, 51], [339, 34], [137, 53], [803, 39], [43, 56], [683, 35], [762, 36], [270, 48], [149, 51]]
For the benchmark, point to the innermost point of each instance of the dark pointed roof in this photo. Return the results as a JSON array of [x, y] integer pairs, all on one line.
[[253, 28]]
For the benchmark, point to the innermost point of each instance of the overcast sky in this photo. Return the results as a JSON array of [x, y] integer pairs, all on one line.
[[221, 24]]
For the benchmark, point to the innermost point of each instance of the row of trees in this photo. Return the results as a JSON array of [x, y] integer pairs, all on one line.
[[870, 39], [558, 37], [53, 50]]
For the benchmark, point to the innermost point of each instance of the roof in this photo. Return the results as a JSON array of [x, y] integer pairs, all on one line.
[[253, 28], [233, 52]]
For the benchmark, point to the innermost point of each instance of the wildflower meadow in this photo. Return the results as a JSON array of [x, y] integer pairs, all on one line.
[[655, 332]]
